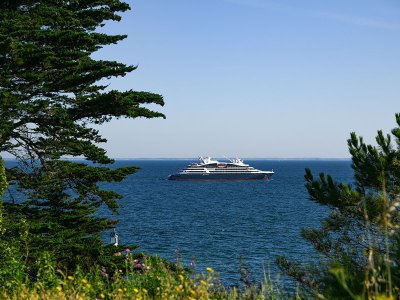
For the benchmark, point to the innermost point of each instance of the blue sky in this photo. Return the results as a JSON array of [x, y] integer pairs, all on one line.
[[257, 78]]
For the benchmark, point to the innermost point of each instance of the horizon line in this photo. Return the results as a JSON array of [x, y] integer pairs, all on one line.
[[224, 158], [196, 158]]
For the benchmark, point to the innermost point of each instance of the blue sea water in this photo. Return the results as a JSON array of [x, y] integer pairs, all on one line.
[[214, 223]]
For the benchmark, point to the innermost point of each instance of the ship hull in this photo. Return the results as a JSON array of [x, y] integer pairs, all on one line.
[[205, 176]]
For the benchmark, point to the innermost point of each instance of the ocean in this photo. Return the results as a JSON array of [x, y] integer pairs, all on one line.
[[214, 223]]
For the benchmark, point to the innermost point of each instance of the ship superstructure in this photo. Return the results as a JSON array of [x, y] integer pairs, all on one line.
[[209, 169]]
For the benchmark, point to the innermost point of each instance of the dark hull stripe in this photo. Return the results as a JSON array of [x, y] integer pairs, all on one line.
[[218, 177]]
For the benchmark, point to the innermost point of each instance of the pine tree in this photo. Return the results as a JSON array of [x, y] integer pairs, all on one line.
[[52, 93], [359, 241]]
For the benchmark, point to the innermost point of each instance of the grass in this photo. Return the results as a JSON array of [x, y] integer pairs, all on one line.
[[146, 278]]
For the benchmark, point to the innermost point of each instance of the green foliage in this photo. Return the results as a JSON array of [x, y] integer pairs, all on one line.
[[140, 278], [359, 241], [52, 94], [3, 178], [12, 267]]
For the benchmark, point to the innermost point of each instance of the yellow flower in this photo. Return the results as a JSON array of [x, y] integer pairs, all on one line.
[[70, 277], [191, 298], [145, 291], [210, 270], [120, 270], [177, 288], [203, 282], [125, 289], [193, 292], [84, 281], [136, 290], [384, 297], [102, 296], [88, 285], [59, 288], [120, 290], [181, 276]]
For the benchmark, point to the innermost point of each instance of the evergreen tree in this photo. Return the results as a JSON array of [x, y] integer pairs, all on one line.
[[52, 93], [359, 241]]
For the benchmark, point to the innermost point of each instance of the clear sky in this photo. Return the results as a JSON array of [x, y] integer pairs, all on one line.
[[257, 78]]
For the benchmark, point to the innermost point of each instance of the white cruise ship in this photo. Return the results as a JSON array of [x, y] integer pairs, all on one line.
[[209, 169]]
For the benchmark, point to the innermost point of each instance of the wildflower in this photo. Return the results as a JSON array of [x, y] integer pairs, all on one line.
[[145, 291], [70, 277], [203, 282], [191, 298], [148, 268], [193, 292], [136, 290], [181, 276], [384, 297], [88, 285], [84, 281], [125, 289], [135, 261], [120, 291], [120, 270], [210, 270], [59, 288], [102, 296]]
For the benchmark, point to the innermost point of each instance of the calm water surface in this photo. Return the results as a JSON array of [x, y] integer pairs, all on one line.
[[214, 223]]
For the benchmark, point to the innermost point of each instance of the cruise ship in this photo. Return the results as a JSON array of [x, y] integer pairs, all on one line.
[[209, 169]]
